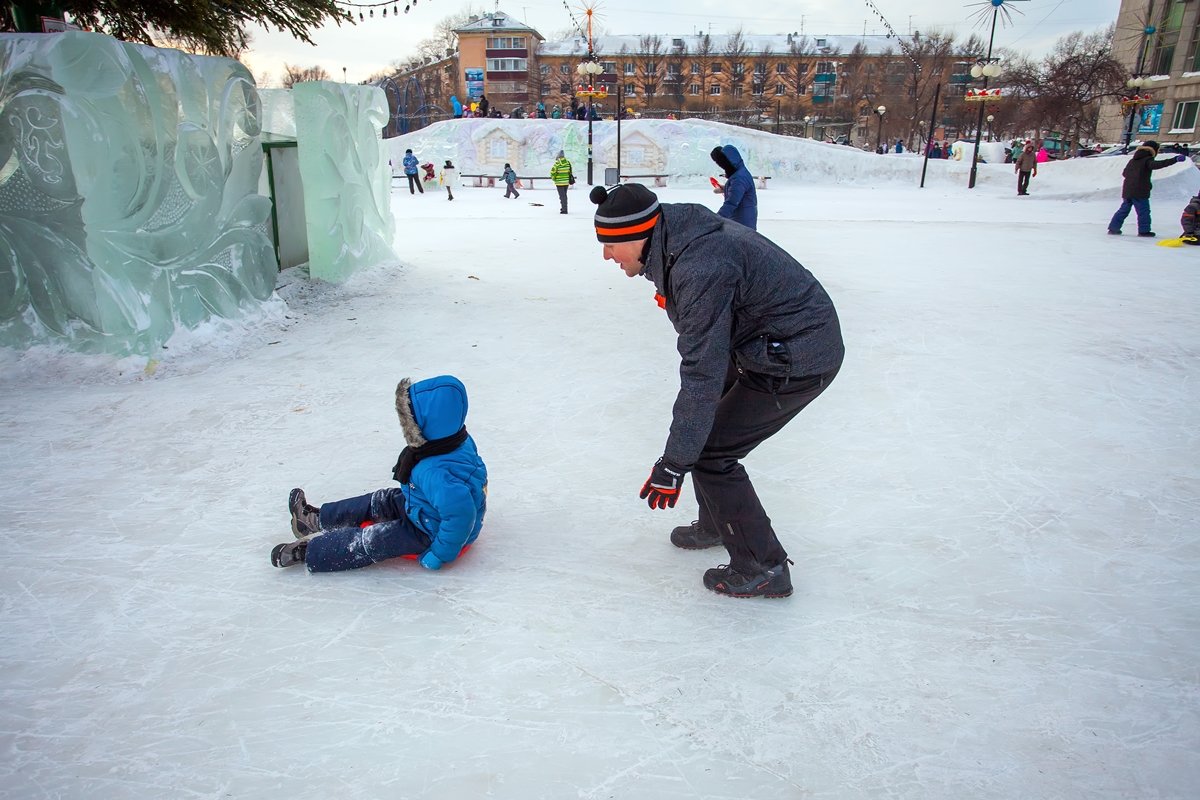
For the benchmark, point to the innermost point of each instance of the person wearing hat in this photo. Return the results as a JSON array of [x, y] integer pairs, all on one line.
[[410, 171], [1026, 168], [447, 177], [1135, 191], [563, 177], [758, 339]]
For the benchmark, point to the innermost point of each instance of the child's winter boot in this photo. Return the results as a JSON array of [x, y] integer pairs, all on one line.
[[289, 554], [306, 520]]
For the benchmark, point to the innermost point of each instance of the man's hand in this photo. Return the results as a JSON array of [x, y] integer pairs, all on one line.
[[661, 489]]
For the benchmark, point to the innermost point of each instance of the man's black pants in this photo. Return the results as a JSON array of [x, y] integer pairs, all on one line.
[[752, 409]]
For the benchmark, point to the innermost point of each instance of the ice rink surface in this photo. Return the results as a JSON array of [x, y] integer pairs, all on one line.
[[993, 514]]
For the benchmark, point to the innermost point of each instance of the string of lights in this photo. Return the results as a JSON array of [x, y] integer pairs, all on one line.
[[891, 34], [575, 22], [370, 7]]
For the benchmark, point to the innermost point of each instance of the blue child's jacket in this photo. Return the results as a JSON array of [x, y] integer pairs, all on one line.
[[446, 495]]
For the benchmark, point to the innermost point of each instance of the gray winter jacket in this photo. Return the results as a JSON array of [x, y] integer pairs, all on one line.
[[732, 293]]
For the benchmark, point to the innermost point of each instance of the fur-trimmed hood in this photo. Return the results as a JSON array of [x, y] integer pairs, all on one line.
[[430, 409]]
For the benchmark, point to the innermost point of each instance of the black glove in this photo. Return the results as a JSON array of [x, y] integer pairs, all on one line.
[[662, 488]]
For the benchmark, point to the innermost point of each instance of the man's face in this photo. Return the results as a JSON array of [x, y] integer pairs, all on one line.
[[627, 254]]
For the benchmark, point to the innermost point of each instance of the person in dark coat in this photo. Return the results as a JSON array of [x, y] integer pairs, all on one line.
[[1190, 220], [483, 105], [758, 340], [437, 511], [741, 200], [1135, 191]]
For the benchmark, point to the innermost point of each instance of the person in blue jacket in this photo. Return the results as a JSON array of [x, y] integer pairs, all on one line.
[[741, 201], [437, 511], [410, 171]]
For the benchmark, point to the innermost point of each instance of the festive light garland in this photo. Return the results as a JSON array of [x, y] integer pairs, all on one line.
[[891, 34], [395, 4]]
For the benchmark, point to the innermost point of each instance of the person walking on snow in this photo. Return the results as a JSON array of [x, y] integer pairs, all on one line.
[[448, 177], [563, 177], [1135, 191], [741, 200], [410, 171], [510, 182], [758, 340], [1026, 167], [437, 511]]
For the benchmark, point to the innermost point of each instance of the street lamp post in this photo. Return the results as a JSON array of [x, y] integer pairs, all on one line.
[[990, 119], [807, 119], [588, 71], [881, 110]]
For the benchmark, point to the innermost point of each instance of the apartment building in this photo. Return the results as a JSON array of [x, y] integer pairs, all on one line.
[[1158, 40]]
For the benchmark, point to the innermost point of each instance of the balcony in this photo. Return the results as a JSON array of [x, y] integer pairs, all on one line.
[[825, 77], [822, 98]]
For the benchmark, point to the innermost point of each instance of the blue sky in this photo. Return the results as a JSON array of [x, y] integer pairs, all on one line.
[[370, 46]]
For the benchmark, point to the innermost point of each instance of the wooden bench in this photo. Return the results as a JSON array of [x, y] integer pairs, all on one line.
[[762, 181], [659, 180], [526, 180]]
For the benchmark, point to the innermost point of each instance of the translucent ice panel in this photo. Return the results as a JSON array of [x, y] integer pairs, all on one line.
[[129, 202], [346, 177]]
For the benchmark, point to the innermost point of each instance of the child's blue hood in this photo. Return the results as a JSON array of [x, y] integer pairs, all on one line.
[[431, 409], [733, 155]]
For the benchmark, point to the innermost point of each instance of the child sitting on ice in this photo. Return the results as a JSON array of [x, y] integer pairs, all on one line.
[[1191, 222], [437, 511]]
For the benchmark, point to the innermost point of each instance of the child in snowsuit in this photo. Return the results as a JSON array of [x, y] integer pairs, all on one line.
[[1135, 192], [1191, 221], [510, 182], [437, 511], [447, 177], [410, 171]]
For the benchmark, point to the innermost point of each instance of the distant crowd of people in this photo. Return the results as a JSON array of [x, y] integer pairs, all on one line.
[[576, 110]]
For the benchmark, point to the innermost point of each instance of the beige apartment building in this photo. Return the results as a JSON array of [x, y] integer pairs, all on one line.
[[829, 85], [1158, 40]]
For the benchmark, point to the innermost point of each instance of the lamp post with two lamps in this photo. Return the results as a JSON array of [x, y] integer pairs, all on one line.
[[880, 110], [1139, 97], [588, 71]]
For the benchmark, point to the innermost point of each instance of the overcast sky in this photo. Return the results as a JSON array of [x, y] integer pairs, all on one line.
[[365, 48]]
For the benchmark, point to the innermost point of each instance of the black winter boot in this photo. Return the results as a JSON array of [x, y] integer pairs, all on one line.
[[694, 537], [306, 520], [773, 582], [289, 554]]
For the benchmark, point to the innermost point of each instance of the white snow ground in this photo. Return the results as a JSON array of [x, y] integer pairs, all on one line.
[[993, 514]]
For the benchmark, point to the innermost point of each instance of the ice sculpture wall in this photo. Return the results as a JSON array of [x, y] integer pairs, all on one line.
[[347, 201], [129, 202]]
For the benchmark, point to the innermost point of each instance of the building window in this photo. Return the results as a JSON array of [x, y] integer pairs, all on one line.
[[738, 91], [694, 89], [630, 89], [781, 68], [825, 67], [506, 43], [651, 67], [564, 88], [802, 89], [610, 67], [695, 67], [739, 69], [564, 69], [630, 68], [673, 69], [715, 89], [717, 66], [650, 90], [544, 69], [507, 64], [804, 69], [1185, 117], [1168, 37], [822, 43], [780, 89]]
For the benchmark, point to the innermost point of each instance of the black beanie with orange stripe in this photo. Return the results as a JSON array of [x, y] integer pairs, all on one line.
[[625, 213]]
